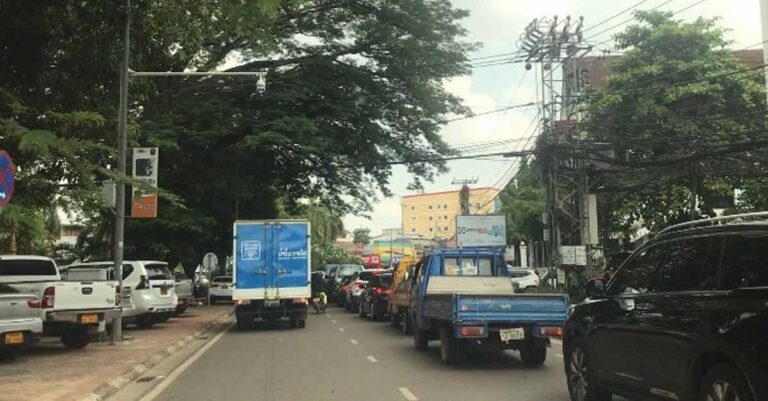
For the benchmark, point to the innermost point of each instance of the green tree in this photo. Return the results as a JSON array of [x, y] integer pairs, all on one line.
[[686, 121], [352, 85], [523, 203], [361, 236]]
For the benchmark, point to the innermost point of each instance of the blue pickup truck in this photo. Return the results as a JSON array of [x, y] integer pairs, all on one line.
[[464, 298]]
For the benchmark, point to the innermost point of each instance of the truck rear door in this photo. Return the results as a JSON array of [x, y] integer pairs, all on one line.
[[251, 275], [291, 249]]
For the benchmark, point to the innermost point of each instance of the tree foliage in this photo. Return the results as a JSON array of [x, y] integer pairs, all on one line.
[[685, 119], [352, 85], [523, 203], [361, 236]]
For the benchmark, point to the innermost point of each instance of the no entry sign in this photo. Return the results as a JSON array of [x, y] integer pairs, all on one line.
[[6, 178]]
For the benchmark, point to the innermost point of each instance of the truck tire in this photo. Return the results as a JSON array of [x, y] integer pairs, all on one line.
[[451, 348], [420, 339], [244, 324], [302, 323], [372, 312], [76, 339], [533, 356], [144, 322], [407, 324]]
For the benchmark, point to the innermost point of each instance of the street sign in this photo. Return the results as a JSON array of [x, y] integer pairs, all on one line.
[[573, 255], [210, 261], [144, 167], [6, 178]]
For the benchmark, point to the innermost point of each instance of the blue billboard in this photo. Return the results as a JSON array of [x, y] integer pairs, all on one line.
[[271, 254]]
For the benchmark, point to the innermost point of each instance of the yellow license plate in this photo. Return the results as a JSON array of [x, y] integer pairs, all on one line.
[[87, 319], [14, 338]]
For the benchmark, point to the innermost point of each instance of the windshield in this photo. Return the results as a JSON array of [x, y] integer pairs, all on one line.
[[21, 267], [348, 270], [467, 266], [158, 271]]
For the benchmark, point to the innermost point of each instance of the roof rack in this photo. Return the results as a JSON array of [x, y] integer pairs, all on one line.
[[734, 218]]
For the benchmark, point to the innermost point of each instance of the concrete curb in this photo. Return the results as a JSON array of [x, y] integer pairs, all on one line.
[[108, 389]]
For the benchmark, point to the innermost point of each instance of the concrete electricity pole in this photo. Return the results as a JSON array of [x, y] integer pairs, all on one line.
[[764, 16]]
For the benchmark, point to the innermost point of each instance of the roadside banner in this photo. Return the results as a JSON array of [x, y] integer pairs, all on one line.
[[481, 230]]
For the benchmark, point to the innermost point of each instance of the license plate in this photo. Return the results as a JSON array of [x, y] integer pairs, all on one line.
[[271, 302], [89, 319], [224, 287], [512, 334], [14, 338], [163, 291], [316, 300]]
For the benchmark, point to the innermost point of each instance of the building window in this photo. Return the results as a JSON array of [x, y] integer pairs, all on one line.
[[430, 218], [445, 229], [445, 206], [430, 229], [413, 230], [413, 218], [430, 207], [413, 207], [445, 217]]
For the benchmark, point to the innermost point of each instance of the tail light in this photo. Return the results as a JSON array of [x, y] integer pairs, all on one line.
[[143, 283], [242, 302], [472, 331], [358, 285], [377, 291], [551, 331], [118, 295], [299, 300], [49, 296], [33, 303]]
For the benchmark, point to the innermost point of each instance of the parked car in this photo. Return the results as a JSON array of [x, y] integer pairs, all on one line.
[[357, 283], [221, 289], [340, 281], [685, 317], [523, 279], [375, 296], [75, 311], [20, 322], [184, 293], [149, 288]]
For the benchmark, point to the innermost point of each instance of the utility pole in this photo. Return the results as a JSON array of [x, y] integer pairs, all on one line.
[[464, 194], [122, 147], [764, 16], [553, 43]]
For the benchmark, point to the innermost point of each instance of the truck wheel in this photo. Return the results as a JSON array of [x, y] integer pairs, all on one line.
[[372, 312], [451, 349], [145, 322], [533, 356], [420, 339], [244, 324], [407, 323], [302, 323], [76, 339]]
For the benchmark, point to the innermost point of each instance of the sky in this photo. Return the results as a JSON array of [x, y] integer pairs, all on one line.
[[497, 25]]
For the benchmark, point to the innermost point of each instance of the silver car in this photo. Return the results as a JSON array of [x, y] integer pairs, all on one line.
[[20, 323]]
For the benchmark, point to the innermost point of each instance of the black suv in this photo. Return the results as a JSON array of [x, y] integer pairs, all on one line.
[[685, 317]]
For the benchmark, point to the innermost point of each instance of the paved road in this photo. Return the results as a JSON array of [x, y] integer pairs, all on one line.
[[342, 357]]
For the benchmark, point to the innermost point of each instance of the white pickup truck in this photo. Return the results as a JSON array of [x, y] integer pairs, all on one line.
[[74, 311]]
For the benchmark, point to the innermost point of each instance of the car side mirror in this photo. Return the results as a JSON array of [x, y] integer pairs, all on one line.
[[595, 288]]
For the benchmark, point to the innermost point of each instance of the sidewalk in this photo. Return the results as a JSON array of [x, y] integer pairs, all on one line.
[[48, 371]]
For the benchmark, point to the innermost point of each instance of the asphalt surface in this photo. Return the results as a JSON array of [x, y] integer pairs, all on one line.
[[342, 357]]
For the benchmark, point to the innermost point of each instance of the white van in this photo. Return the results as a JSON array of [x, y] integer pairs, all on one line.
[[149, 289]]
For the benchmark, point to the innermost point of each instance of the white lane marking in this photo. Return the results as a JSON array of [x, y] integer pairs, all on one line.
[[371, 358], [556, 341], [353, 341], [328, 314], [333, 321], [179, 370], [407, 394], [341, 329], [557, 355]]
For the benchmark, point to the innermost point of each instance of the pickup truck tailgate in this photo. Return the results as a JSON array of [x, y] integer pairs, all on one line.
[[534, 308], [81, 295]]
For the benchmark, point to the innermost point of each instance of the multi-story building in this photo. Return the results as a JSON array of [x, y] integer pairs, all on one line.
[[433, 215]]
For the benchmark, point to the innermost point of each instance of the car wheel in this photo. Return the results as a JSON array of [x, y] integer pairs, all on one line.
[[302, 324], [361, 309], [582, 384], [76, 339], [293, 323], [371, 312], [407, 325], [394, 318], [145, 322], [213, 300], [724, 383]]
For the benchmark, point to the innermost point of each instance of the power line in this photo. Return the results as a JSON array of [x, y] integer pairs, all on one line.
[[448, 158], [614, 16], [518, 106], [612, 27]]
